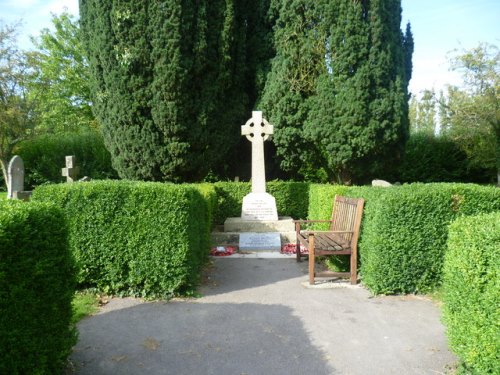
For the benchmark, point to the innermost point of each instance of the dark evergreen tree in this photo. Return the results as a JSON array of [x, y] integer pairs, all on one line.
[[174, 80], [170, 83], [299, 60], [362, 108]]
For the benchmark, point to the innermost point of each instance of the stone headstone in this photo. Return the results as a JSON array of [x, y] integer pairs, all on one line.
[[381, 183], [270, 241], [258, 205], [71, 170], [15, 175]]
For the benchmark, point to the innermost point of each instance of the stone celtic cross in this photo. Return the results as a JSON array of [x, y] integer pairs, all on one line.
[[257, 130]]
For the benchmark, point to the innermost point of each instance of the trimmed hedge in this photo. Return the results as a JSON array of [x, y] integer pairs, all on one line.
[[291, 198], [472, 291], [44, 157], [135, 238], [428, 158], [404, 232], [37, 283]]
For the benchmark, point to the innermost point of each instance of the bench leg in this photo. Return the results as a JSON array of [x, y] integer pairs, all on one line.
[[311, 259], [354, 266]]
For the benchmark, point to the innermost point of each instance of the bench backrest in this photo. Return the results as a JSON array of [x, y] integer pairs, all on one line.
[[346, 216]]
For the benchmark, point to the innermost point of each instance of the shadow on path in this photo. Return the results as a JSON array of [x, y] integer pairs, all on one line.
[[197, 338]]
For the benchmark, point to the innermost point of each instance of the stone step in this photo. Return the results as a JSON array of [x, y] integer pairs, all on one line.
[[236, 224]]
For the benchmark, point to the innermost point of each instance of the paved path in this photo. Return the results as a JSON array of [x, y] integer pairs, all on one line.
[[257, 318]]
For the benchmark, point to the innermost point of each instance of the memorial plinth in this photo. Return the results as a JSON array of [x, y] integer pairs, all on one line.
[[259, 206]]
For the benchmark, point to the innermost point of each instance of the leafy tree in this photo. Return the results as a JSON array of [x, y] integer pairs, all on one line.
[[17, 117], [61, 83], [424, 113], [471, 113]]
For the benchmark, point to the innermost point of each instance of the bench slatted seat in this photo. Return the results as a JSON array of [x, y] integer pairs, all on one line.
[[341, 239]]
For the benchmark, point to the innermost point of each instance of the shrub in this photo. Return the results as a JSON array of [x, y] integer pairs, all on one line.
[[432, 159], [292, 198], [37, 281], [472, 291], [404, 232], [229, 199], [45, 156], [134, 238]]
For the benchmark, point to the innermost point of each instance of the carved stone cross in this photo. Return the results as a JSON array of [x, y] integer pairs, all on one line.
[[257, 130], [258, 205], [71, 171]]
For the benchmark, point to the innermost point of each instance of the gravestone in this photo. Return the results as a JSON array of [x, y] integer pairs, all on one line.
[[71, 170], [15, 175], [381, 183], [258, 205]]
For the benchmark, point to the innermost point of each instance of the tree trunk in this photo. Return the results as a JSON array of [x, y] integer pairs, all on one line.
[[4, 164]]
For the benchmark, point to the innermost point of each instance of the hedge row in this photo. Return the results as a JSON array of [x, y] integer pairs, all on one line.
[[37, 283], [292, 198], [44, 157], [135, 238], [404, 229], [472, 291]]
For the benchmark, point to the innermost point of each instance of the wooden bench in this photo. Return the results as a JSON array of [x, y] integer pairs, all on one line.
[[341, 239]]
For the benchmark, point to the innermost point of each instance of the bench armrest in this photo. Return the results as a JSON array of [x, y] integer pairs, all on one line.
[[328, 231]]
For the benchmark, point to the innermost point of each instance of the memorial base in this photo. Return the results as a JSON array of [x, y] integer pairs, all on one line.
[[259, 207]]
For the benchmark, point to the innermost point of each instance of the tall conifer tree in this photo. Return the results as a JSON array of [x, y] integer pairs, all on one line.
[[360, 115], [299, 60], [170, 83]]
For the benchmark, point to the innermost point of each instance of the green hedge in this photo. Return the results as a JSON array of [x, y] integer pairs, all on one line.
[[472, 291], [404, 232], [291, 198], [428, 158], [135, 238], [44, 157], [37, 283]]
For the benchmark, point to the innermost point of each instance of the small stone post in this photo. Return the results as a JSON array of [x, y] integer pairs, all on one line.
[[71, 170]]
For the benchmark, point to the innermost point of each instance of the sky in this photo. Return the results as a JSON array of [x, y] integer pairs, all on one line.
[[439, 27]]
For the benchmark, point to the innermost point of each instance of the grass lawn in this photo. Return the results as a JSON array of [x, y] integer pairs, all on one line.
[[3, 195], [84, 304]]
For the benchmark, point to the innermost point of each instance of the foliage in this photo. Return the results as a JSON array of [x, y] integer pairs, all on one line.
[[430, 158], [299, 60], [291, 198], [229, 199], [471, 114], [61, 80], [423, 113], [17, 118], [471, 291], [321, 197], [336, 93], [170, 92], [37, 280], [404, 232], [44, 156], [133, 238], [84, 304]]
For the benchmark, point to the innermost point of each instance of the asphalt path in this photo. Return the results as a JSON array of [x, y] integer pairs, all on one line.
[[258, 317]]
